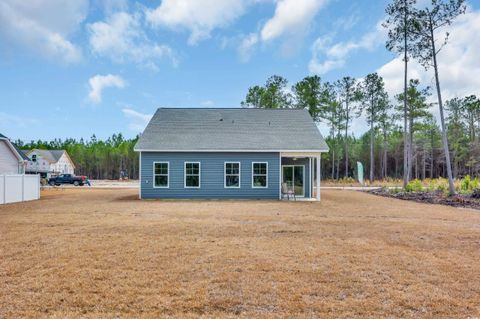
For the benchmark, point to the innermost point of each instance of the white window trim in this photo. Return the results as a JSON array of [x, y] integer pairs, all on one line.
[[185, 174], [225, 174], [266, 175], [168, 174]]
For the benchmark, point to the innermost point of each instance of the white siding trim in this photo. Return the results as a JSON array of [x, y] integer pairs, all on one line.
[[140, 175], [300, 154], [280, 181], [311, 176], [232, 151], [318, 178]]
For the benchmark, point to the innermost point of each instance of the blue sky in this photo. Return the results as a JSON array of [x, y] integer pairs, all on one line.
[[76, 68]]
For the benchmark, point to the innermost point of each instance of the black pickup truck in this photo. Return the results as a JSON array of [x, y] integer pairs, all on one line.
[[67, 179]]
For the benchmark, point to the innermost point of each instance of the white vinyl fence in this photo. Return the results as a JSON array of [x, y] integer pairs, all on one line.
[[19, 188]]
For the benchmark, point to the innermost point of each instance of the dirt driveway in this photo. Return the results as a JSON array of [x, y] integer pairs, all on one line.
[[103, 253]]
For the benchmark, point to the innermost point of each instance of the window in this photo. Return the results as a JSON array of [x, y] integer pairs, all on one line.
[[34, 157], [232, 175], [259, 175], [160, 174], [192, 174]]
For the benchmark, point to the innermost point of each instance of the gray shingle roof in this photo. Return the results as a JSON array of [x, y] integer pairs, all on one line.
[[213, 129], [22, 154], [50, 155], [56, 154]]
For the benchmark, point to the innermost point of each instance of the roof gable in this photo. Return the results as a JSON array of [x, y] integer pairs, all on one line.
[[234, 129], [51, 156], [15, 150], [57, 154]]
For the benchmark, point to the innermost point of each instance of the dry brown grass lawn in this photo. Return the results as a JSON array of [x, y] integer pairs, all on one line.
[[102, 253]]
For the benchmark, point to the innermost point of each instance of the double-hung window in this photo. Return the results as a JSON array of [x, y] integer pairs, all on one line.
[[192, 175], [259, 175], [160, 174], [232, 175]]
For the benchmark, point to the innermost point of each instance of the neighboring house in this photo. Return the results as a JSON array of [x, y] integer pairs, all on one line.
[[12, 159], [229, 153], [49, 162]]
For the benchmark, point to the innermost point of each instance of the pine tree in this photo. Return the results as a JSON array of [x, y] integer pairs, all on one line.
[[399, 22], [372, 95], [426, 22]]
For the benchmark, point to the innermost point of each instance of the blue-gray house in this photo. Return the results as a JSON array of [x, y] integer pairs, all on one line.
[[230, 153]]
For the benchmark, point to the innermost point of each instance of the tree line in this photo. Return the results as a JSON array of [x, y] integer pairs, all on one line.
[[95, 158], [403, 139], [339, 104], [402, 130]]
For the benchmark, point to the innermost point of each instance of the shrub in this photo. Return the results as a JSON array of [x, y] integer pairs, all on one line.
[[442, 187], [430, 185], [468, 185], [438, 185], [475, 184], [465, 183], [414, 186]]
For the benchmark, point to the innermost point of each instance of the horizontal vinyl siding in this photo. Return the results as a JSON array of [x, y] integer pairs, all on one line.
[[8, 160], [211, 176]]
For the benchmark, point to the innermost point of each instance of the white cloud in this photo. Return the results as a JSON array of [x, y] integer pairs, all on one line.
[[290, 20], [200, 17], [459, 66], [246, 46], [348, 22], [43, 26], [138, 120], [98, 83], [335, 56], [291, 17], [11, 120], [112, 6], [122, 39]]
